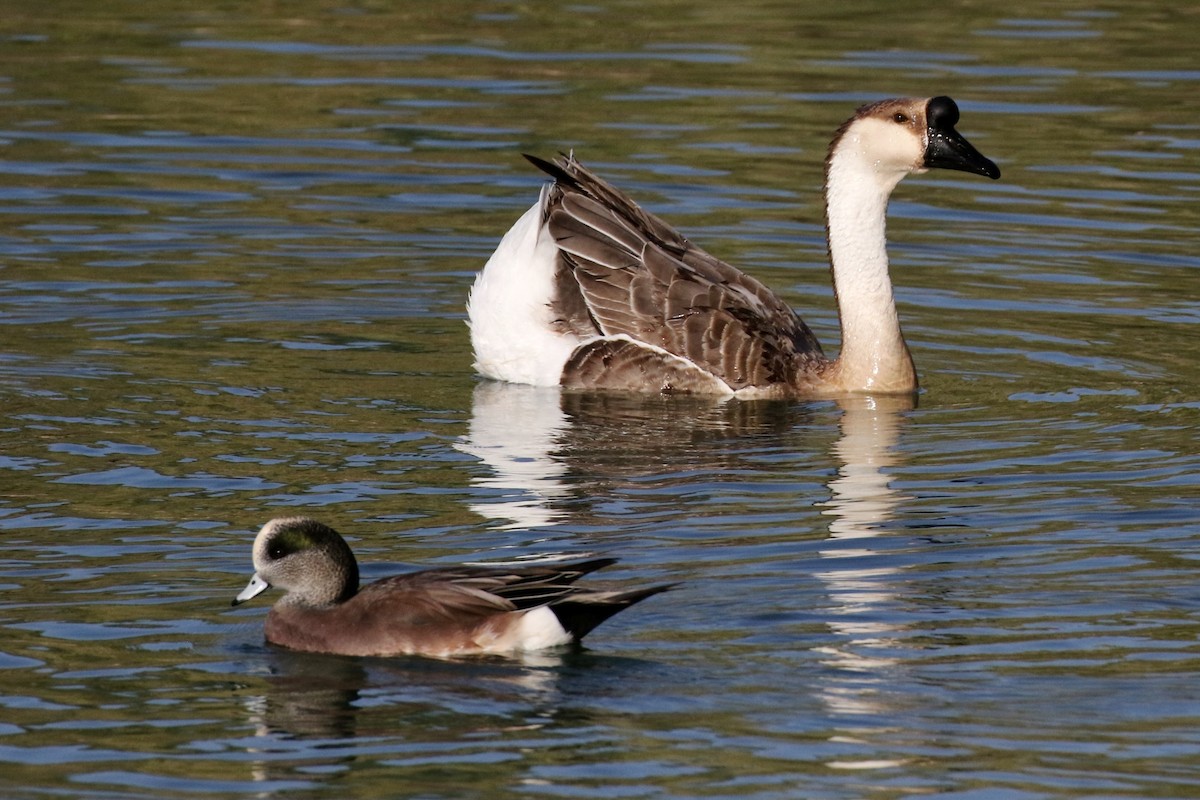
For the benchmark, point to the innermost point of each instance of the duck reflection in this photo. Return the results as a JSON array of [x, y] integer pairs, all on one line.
[[327, 712], [307, 697], [330, 709], [315, 696]]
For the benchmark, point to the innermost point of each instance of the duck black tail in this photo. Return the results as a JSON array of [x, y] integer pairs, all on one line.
[[582, 611]]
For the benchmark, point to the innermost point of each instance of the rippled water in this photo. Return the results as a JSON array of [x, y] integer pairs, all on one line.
[[235, 249]]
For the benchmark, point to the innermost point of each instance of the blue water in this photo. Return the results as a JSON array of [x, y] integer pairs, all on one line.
[[236, 249]]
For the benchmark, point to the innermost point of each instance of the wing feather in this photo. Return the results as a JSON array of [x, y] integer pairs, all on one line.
[[623, 364], [639, 278], [460, 593]]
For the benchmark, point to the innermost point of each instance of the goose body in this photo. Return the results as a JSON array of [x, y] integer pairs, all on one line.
[[589, 291], [469, 610]]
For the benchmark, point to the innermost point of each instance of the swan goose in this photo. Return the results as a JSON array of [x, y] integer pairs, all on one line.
[[588, 291]]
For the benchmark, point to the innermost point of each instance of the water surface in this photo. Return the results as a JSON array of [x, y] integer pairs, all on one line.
[[236, 245]]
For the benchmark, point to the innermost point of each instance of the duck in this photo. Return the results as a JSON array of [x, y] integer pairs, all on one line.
[[442, 612], [588, 291]]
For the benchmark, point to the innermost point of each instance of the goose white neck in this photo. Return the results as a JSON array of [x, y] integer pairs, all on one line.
[[874, 355]]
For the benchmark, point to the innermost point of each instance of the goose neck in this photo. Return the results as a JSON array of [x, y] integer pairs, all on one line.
[[874, 355]]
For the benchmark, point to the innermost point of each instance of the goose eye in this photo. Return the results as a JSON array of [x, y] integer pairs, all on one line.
[[900, 117]]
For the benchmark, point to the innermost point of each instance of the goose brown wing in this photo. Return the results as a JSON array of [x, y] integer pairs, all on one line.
[[634, 275], [622, 364]]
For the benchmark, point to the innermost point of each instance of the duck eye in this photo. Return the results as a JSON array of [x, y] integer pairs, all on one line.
[[900, 117], [276, 551]]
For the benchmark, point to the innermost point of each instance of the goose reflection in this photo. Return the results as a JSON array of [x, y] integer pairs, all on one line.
[[531, 464], [862, 496], [514, 429], [531, 439], [861, 501]]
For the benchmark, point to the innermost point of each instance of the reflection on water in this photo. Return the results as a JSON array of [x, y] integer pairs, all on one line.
[[307, 697], [861, 502], [534, 440], [861, 497], [323, 697], [513, 431], [425, 716]]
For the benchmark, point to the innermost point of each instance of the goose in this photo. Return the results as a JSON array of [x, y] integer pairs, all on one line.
[[440, 612], [589, 291]]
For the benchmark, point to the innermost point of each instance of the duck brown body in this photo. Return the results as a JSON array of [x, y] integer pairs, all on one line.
[[438, 612]]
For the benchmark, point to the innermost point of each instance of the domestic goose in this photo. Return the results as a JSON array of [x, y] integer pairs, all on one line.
[[588, 291]]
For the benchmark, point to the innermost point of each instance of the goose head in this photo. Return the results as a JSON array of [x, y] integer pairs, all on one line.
[[893, 138]]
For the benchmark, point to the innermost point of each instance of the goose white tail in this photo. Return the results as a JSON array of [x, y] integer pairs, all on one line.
[[509, 308]]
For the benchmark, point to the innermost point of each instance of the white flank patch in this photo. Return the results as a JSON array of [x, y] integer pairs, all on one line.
[[540, 629]]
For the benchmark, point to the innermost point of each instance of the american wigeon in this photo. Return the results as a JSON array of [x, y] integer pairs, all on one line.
[[589, 291], [447, 611]]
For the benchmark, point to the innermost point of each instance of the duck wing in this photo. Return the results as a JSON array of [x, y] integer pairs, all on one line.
[[464, 593], [577, 609], [457, 610], [629, 275]]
